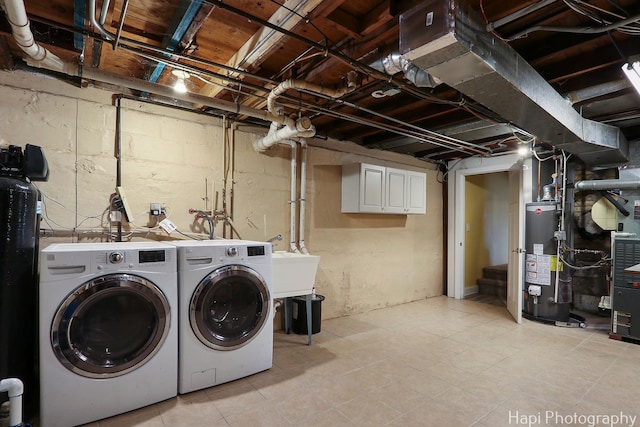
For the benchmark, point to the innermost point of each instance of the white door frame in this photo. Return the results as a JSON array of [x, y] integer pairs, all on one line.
[[456, 208]]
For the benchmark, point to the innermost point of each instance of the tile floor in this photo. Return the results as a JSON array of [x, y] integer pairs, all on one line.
[[436, 362]]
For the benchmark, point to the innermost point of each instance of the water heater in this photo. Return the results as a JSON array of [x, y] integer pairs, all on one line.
[[547, 286]]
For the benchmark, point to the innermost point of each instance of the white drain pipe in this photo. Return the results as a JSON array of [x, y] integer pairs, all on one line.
[[303, 194], [303, 85], [303, 127], [15, 388], [38, 56], [292, 196]]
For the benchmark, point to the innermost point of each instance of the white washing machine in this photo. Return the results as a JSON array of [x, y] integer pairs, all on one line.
[[108, 329], [226, 314]]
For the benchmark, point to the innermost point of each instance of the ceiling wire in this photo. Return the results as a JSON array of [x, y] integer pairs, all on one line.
[[421, 134], [366, 69], [591, 11], [123, 43]]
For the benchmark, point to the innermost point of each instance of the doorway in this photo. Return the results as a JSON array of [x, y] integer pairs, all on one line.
[[519, 189], [486, 237]]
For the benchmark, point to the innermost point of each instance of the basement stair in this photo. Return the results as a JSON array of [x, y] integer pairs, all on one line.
[[493, 281]]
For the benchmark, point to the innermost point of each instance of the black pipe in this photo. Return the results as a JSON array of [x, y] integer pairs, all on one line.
[[615, 203], [119, 155]]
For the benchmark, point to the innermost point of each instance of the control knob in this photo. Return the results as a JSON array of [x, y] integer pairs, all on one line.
[[232, 251], [116, 257]]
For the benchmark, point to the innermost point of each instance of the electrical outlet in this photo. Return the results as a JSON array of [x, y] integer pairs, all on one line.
[[156, 209]]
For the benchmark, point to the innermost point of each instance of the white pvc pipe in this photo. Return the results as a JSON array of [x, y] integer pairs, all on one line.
[[37, 55], [292, 197], [15, 388], [276, 304], [303, 195], [302, 128], [302, 85]]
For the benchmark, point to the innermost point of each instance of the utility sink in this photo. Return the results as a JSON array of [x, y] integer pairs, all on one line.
[[293, 273]]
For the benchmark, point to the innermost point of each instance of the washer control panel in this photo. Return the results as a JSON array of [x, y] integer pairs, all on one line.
[[130, 259]]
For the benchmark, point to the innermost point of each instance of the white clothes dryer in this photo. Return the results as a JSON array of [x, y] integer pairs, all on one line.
[[108, 329], [226, 320]]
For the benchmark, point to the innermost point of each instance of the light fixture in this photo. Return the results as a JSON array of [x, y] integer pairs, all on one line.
[[180, 86], [523, 149], [632, 71]]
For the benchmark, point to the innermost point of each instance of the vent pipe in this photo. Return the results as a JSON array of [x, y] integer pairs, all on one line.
[[606, 184], [395, 63]]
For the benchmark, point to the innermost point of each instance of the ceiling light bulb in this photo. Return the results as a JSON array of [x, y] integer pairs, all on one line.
[[523, 150], [180, 84], [632, 71]]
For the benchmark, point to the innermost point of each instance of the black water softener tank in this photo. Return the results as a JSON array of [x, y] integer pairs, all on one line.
[[19, 229]]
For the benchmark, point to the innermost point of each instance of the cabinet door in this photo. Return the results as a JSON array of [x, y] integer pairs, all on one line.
[[372, 188], [416, 193], [396, 191]]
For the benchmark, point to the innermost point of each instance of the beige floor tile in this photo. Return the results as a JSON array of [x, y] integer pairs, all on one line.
[[237, 402], [395, 369], [493, 384], [370, 355], [179, 411], [474, 406], [300, 404], [340, 389], [335, 367], [422, 360], [369, 377], [330, 418], [366, 410], [426, 384], [475, 360], [260, 416], [447, 372], [400, 396], [281, 386], [433, 414], [149, 416]]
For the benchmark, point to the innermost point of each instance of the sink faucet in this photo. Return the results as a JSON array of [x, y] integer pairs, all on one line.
[[274, 238]]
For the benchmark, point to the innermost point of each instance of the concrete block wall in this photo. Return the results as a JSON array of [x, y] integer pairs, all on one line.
[[176, 158]]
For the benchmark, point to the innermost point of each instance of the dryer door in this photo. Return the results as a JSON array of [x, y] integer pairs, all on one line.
[[110, 326], [229, 307]]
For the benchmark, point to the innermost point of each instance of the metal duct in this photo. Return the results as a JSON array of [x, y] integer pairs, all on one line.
[[447, 40], [394, 63], [607, 184]]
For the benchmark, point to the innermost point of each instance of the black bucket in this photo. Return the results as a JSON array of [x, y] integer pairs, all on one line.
[[299, 309]]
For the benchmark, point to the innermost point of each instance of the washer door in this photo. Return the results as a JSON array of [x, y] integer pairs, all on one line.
[[110, 326], [229, 307]]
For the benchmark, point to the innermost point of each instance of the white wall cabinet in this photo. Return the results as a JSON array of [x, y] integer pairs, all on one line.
[[370, 188]]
